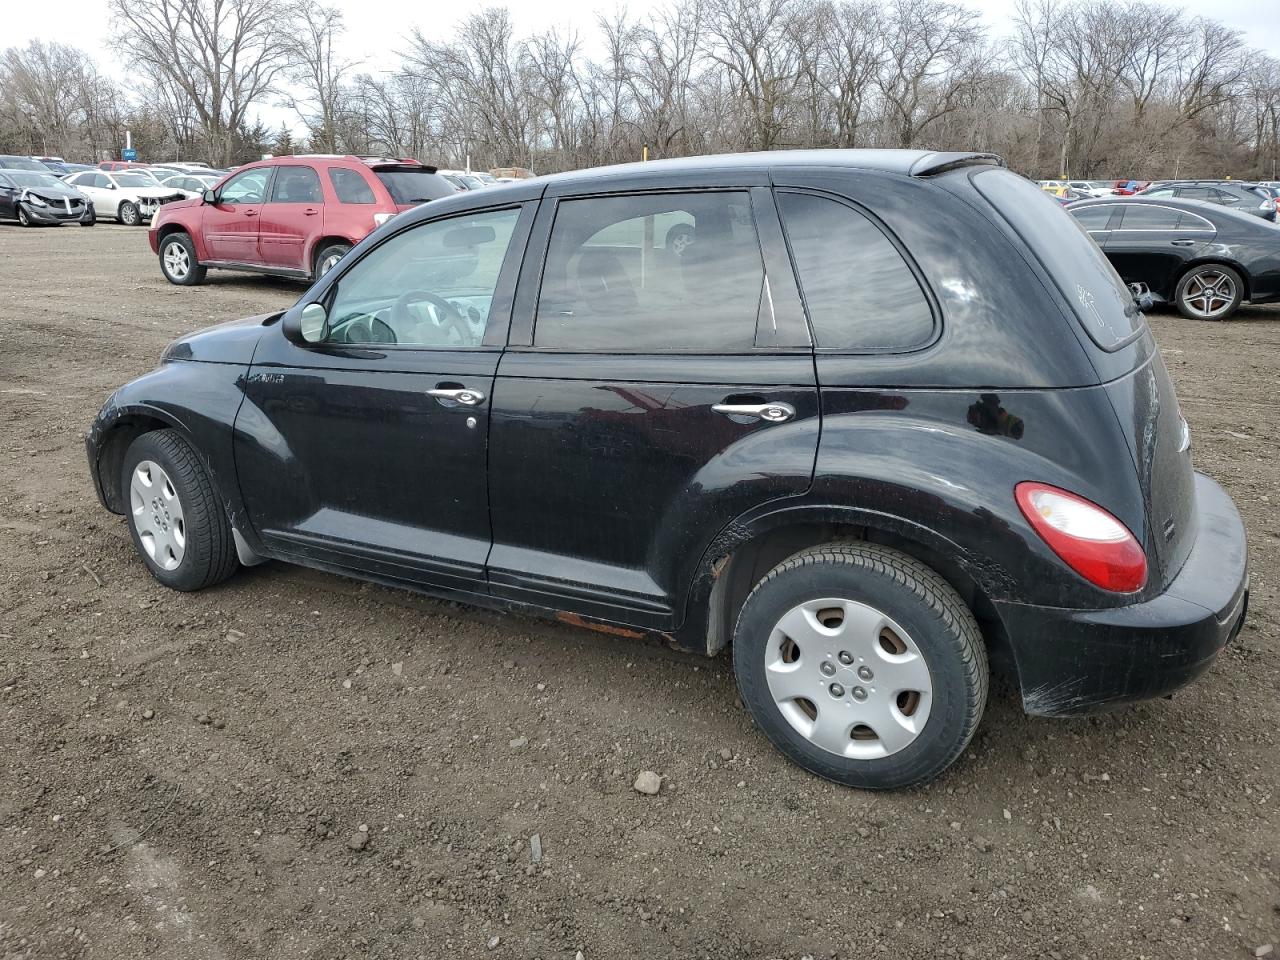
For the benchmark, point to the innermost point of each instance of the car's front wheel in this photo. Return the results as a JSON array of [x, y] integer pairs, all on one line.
[[1211, 291], [178, 260], [862, 665], [128, 214], [175, 518], [24, 218]]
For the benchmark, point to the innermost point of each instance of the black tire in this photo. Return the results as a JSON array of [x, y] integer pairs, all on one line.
[[1188, 295], [210, 554], [92, 221], [325, 255], [912, 595], [195, 273], [24, 218], [127, 213]]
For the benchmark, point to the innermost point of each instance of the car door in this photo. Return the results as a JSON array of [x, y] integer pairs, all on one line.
[[230, 224], [8, 198], [658, 385], [1150, 243], [368, 449], [97, 188], [293, 213]]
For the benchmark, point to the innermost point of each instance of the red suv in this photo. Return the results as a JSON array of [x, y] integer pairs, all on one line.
[[289, 216]]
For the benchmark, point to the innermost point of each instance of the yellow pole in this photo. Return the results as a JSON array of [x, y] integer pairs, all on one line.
[[645, 155]]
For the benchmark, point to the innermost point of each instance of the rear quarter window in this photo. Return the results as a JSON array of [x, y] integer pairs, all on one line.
[[349, 186], [1099, 298]]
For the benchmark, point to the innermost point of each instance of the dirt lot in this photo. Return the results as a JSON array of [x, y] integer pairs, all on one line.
[[186, 776]]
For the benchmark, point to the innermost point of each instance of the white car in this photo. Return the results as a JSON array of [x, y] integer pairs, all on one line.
[[127, 195], [190, 185]]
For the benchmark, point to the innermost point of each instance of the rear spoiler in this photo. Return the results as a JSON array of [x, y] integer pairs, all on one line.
[[932, 164]]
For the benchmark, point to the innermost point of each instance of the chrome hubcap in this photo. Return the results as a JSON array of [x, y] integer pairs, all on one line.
[[176, 260], [156, 514], [848, 679], [1209, 294]]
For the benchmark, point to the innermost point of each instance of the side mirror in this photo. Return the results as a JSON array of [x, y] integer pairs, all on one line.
[[308, 325], [111, 185], [209, 196]]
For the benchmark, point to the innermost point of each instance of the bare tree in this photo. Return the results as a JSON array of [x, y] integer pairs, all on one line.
[[224, 56], [318, 71]]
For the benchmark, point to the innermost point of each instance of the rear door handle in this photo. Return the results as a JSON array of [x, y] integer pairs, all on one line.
[[463, 395], [769, 412], [1182, 243]]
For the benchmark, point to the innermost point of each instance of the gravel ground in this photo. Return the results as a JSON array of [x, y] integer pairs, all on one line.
[[299, 765]]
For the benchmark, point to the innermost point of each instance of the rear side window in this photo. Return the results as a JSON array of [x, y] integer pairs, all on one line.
[[350, 187], [296, 185], [1098, 297], [1094, 218], [1139, 216], [414, 186], [860, 294], [652, 273]]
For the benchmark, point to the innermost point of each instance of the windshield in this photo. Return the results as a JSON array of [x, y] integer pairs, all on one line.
[[24, 179], [414, 186], [135, 180], [1099, 298]]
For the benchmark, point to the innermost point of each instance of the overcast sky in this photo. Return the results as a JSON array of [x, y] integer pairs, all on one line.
[[375, 28]]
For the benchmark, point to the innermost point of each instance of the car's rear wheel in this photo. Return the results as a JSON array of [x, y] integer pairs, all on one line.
[[175, 518], [329, 256], [178, 260], [24, 218], [1211, 291], [862, 665], [128, 214]]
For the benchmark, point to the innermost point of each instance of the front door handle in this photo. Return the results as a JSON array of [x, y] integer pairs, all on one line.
[[1183, 243], [463, 395], [770, 412], [310, 212]]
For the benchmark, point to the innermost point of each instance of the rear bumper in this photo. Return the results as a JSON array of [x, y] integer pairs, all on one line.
[[1080, 661]]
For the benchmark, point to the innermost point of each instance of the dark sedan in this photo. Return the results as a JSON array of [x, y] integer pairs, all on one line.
[[35, 199], [1203, 258]]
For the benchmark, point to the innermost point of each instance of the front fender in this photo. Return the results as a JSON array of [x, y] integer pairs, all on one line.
[[198, 400]]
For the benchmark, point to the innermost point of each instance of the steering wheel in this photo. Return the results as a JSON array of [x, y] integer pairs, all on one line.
[[446, 316]]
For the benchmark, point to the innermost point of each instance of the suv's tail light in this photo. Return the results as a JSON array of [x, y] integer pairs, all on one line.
[[1090, 541]]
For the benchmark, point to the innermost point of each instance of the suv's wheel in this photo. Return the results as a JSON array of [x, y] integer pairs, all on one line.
[[128, 214], [862, 665], [178, 260], [329, 256], [1211, 291], [175, 519]]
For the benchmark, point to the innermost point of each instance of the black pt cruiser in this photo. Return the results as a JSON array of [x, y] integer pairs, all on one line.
[[753, 401]]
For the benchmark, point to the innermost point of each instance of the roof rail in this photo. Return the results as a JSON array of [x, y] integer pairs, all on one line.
[[934, 163]]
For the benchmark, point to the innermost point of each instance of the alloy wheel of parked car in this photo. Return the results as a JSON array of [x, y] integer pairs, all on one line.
[[1209, 292], [128, 214], [175, 518], [178, 261], [23, 218], [328, 258], [862, 665]]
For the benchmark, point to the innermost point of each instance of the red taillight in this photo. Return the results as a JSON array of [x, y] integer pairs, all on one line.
[[1089, 540]]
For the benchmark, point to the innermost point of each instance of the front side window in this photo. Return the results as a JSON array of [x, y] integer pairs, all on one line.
[[349, 186], [1139, 216], [860, 294], [247, 187], [431, 286], [296, 185], [651, 273]]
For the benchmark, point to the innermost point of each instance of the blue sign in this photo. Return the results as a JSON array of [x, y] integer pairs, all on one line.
[[128, 153]]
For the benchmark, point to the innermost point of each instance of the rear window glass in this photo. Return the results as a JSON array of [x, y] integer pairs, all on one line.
[[860, 293], [414, 186], [349, 186], [1138, 216], [1099, 298]]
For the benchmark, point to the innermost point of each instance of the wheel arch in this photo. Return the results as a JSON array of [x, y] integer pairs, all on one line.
[[745, 552], [126, 426], [169, 229], [319, 244]]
